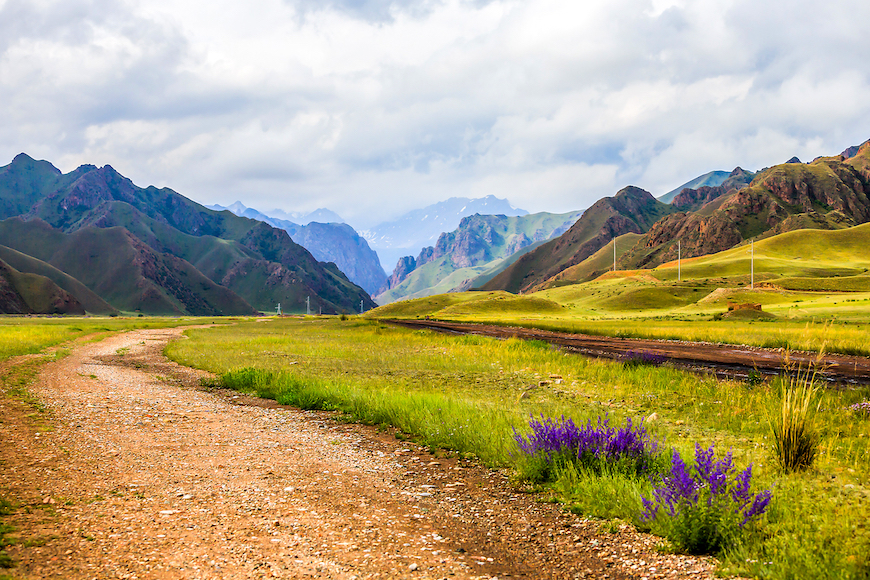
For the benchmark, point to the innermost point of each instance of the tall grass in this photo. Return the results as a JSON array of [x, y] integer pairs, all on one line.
[[795, 437]]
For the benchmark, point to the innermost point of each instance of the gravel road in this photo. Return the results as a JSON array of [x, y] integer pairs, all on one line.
[[135, 471]]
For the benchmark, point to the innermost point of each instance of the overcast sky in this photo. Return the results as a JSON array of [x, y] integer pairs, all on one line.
[[375, 107]]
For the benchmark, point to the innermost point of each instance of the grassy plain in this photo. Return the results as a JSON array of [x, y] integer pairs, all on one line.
[[26, 335], [467, 394]]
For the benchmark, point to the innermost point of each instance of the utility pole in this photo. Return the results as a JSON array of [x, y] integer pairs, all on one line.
[[752, 263], [279, 309], [308, 305], [679, 262], [360, 306]]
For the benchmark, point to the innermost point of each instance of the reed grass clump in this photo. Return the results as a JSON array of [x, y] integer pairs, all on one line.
[[795, 436]]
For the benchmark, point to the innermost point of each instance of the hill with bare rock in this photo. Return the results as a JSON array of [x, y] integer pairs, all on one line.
[[632, 210], [828, 193]]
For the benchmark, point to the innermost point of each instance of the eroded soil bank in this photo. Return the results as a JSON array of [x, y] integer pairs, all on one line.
[[135, 471]]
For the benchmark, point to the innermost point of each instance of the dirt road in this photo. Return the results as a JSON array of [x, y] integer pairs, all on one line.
[[135, 471], [724, 359]]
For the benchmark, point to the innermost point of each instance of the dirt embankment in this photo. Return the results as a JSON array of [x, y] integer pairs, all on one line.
[[134, 471]]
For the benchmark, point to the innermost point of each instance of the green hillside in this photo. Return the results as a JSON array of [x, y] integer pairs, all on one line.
[[798, 275], [91, 302], [26, 293]]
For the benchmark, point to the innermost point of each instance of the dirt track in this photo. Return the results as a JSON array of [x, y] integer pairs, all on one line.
[[137, 472], [722, 358]]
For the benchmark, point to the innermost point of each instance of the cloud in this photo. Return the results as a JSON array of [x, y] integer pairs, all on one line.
[[374, 107]]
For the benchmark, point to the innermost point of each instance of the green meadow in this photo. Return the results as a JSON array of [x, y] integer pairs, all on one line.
[[813, 287], [465, 395]]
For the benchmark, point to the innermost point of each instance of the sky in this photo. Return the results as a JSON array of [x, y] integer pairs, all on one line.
[[372, 108]]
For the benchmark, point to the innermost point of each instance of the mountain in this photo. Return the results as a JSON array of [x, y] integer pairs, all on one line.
[[828, 193], [408, 234], [711, 179], [631, 210], [23, 293], [329, 242], [89, 300], [187, 258], [476, 246]]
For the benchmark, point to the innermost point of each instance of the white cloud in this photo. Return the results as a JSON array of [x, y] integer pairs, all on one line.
[[373, 107]]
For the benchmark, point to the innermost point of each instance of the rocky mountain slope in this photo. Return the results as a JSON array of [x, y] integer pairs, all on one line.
[[828, 193], [415, 230], [474, 247], [631, 210], [185, 257], [25, 293]]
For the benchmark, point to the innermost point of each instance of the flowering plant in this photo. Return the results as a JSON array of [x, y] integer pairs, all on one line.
[[703, 510], [636, 358], [862, 408], [595, 447]]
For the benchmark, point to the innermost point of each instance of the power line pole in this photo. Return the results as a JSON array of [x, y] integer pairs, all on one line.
[[279, 309], [360, 306], [679, 262], [308, 305], [752, 263]]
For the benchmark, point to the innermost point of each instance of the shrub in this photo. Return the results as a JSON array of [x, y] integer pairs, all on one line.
[[598, 448], [795, 438], [701, 511]]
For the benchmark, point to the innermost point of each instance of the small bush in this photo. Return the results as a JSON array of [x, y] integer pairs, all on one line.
[[795, 437], [701, 511]]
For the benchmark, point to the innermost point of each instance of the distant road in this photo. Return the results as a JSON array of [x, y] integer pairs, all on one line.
[[722, 359]]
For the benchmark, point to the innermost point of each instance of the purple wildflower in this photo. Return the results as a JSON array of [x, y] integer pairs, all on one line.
[[591, 444], [862, 408], [758, 507], [682, 489]]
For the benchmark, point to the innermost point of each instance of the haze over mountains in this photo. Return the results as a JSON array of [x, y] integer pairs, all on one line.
[[413, 231]]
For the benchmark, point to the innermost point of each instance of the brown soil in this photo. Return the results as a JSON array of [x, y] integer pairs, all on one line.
[[134, 470], [835, 367]]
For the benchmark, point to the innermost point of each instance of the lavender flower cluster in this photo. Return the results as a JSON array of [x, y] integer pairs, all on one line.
[[642, 358], [591, 444], [862, 408], [702, 504]]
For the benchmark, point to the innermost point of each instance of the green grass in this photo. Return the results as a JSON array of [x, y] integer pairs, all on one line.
[[20, 336], [466, 394]]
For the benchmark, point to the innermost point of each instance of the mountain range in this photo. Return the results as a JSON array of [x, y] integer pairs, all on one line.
[[827, 193], [115, 246], [480, 244], [334, 242], [417, 229]]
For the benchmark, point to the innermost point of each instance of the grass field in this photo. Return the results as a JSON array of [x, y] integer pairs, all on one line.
[[20, 335], [467, 394]]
